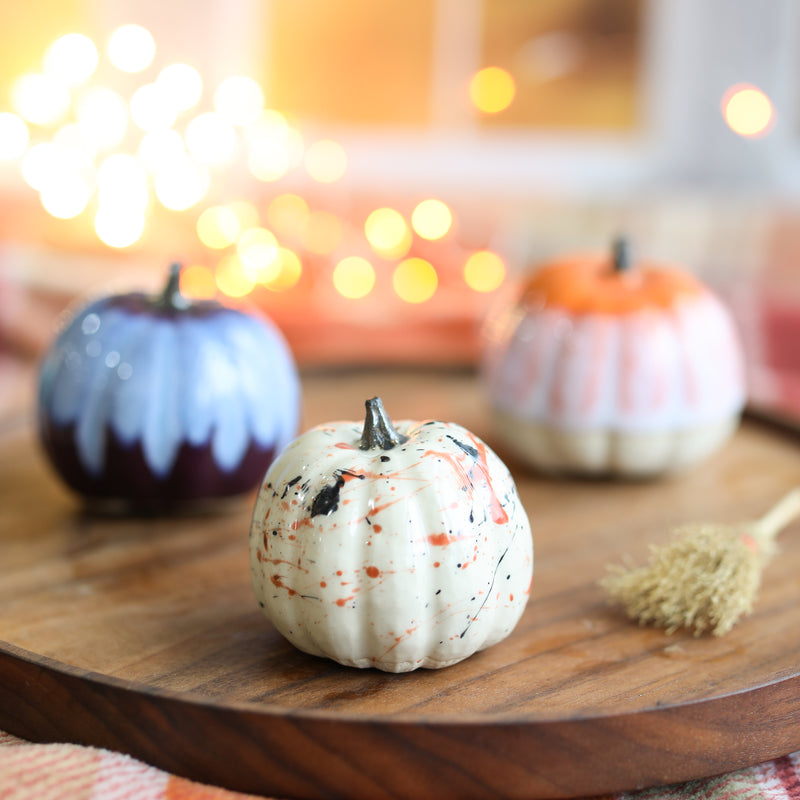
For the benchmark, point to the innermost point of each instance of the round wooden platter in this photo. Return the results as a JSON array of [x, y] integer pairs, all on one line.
[[143, 635]]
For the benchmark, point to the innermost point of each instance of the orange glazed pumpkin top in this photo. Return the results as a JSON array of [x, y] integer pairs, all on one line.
[[591, 284]]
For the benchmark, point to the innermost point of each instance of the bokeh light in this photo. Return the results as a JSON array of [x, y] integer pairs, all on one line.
[[287, 271], [42, 162], [492, 90], [388, 233], [431, 219], [182, 184], [326, 161], [232, 278], [131, 48], [79, 152], [151, 109], [181, 85], [117, 227], [40, 99], [197, 282], [211, 139], [246, 213], [71, 58], [414, 280], [323, 232], [288, 214], [484, 271], [258, 250], [102, 115], [66, 196], [218, 227], [14, 136], [268, 161], [159, 148], [353, 277], [239, 99], [748, 111], [122, 183]]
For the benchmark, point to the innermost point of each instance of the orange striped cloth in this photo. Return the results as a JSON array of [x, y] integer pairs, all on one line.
[[73, 772]]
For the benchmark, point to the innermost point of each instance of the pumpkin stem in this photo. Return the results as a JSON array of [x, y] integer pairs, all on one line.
[[378, 429], [621, 257], [172, 297]]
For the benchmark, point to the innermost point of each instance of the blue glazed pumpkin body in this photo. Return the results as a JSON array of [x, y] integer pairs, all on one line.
[[157, 403]]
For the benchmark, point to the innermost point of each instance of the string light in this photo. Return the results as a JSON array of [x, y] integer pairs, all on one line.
[[326, 161], [131, 48], [288, 272], [748, 111], [353, 277], [151, 109], [118, 229], [197, 281], [40, 99], [14, 136], [239, 99], [102, 115], [231, 277], [431, 219], [492, 89], [66, 196], [182, 184], [388, 233], [484, 271], [218, 227], [72, 59], [181, 86], [211, 139], [414, 280]]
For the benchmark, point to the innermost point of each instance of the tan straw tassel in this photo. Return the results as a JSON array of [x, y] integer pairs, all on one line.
[[706, 578]]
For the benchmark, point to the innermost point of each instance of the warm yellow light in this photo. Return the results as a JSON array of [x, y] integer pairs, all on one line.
[[118, 227], [232, 278], [40, 99], [246, 213], [198, 282], [218, 227], [181, 85], [159, 148], [492, 90], [353, 277], [182, 184], [269, 127], [42, 162], [239, 99], [431, 219], [326, 161], [102, 115], [388, 233], [66, 195], [288, 272], [323, 232], [79, 152], [258, 251], [288, 214], [131, 48], [150, 109], [415, 280], [71, 58], [748, 111], [268, 162], [211, 139], [122, 183], [13, 136], [484, 271]]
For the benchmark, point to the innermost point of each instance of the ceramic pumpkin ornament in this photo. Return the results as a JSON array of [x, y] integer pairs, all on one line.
[[390, 546], [158, 400], [602, 366]]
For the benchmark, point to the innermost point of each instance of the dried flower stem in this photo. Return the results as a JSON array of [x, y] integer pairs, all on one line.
[[707, 577]]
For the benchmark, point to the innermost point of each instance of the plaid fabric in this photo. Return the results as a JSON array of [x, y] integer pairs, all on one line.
[[72, 772]]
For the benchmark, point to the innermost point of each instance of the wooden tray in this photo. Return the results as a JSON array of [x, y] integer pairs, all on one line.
[[142, 635]]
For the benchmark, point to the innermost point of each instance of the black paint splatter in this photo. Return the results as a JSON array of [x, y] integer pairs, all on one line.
[[467, 448], [327, 499], [292, 482]]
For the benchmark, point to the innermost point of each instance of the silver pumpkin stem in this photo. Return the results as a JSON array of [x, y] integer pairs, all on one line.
[[378, 429], [620, 254], [171, 296]]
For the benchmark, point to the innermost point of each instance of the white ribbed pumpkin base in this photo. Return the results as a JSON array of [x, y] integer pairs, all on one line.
[[608, 452]]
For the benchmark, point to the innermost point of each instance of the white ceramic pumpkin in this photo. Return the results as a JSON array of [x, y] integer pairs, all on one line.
[[394, 548], [604, 367]]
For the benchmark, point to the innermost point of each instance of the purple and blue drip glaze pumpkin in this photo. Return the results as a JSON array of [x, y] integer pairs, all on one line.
[[159, 401]]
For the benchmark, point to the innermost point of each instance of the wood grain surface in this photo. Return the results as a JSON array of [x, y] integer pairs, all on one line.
[[143, 635]]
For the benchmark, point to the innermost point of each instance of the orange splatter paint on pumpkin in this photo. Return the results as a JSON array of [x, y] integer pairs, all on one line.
[[277, 581], [441, 539], [373, 572]]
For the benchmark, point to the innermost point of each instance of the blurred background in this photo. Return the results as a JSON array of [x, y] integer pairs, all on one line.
[[375, 175]]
